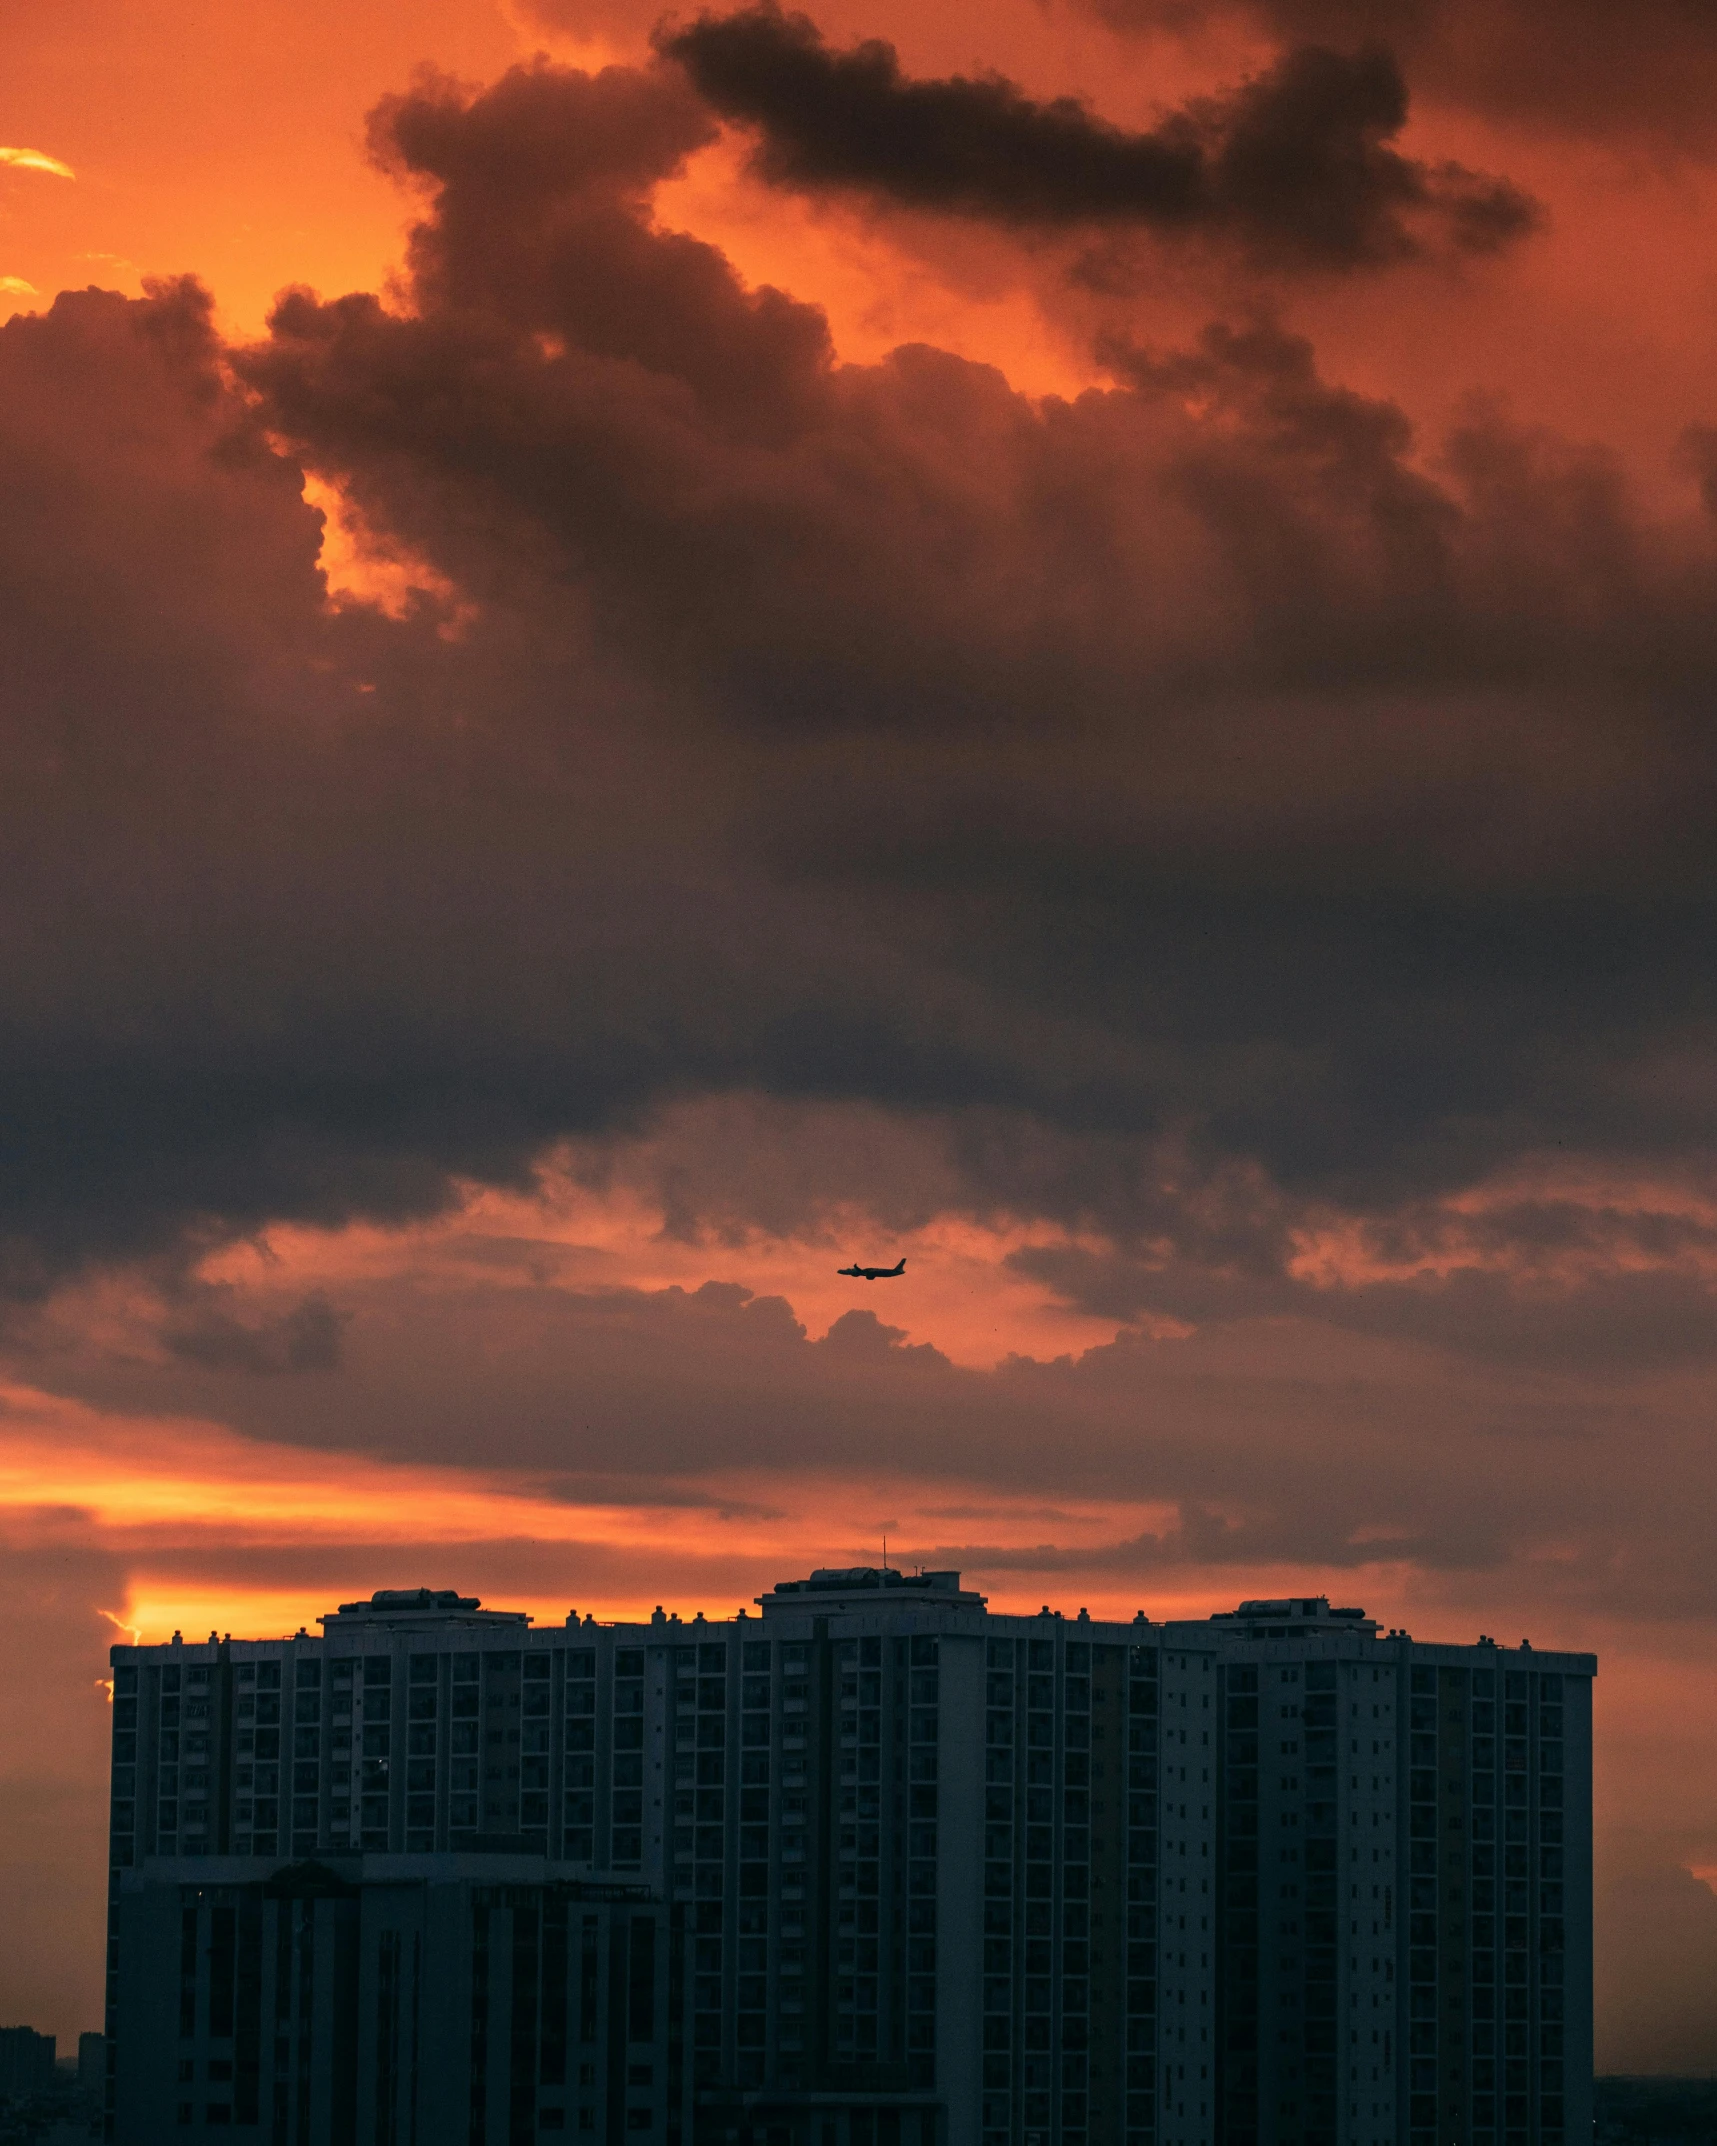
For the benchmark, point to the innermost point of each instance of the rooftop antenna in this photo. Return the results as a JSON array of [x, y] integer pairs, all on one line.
[[885, 1549]]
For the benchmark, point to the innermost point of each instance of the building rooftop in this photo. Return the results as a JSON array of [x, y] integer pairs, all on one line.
[[1290, 1617], [847, 1585], [396, 1606]]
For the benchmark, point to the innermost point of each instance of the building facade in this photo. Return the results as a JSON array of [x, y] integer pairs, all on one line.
[[395, 1999], [913, 1875]]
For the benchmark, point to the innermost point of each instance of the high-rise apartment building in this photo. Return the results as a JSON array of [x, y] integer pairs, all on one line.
[[873, 1867]]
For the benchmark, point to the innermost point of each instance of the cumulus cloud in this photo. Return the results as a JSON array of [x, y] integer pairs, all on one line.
[[1207, 761], [1296, 167]]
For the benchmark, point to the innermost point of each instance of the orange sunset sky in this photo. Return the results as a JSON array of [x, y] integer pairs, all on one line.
[[640, 654]]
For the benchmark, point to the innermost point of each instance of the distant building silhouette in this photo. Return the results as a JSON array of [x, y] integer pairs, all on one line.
[[26, 2061], [92, 2064], [875, 1868]]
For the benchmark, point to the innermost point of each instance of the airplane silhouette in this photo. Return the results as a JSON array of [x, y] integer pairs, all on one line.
[[873, 1274]]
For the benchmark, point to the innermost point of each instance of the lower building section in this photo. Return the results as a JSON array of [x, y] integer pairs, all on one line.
[[400, 2000]]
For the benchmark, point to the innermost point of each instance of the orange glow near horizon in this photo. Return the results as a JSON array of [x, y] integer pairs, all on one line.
[[157, 1491], [76, 1475]]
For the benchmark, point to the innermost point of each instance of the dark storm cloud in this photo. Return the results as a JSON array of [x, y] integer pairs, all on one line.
[[1203, 759], [1296, 166], [303, 911], [1565, 66]]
